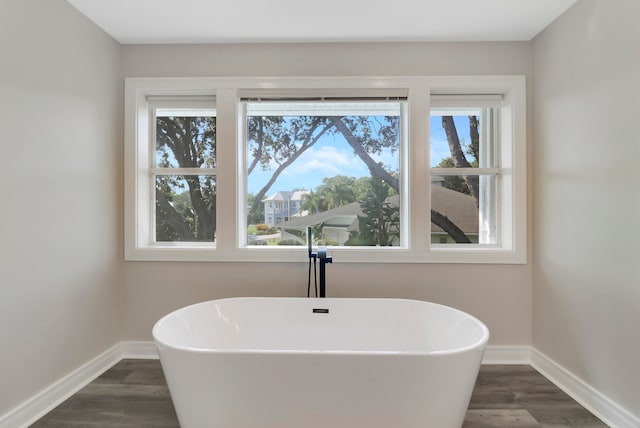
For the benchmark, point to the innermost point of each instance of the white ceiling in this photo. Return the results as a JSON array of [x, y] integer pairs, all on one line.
[[261, 21]]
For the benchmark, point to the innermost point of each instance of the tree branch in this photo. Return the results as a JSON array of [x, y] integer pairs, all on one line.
[[260, 139], [443, 222], [375, 169], [475, 137], [308, 143]]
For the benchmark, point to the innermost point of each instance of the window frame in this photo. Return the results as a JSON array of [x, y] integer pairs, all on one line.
[[414, 159], [393, 96], [177, 103], [490, 116]]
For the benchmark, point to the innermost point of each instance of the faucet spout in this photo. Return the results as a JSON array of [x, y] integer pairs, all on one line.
[[324, 259], [321, 255]]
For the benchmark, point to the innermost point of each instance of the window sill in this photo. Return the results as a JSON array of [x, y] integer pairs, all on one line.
[[340, 255]]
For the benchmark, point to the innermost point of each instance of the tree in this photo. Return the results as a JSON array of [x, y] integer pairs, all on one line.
[[365, 135], [279, 141], [358, 134], [361, 188], [186, 142], [469, 183], [380, 224], [314, 203], [282, 140], [457, 154], [256, 216], [453, 182], [335, 192]]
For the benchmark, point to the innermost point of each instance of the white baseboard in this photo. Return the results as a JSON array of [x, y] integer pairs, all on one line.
[[139, 350], [507, 355], [43, 402], [590, 398]]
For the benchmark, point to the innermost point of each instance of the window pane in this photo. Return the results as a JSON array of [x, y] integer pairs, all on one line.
[[185, 138], [457, 138], [185, 208], [463, 206], [334, 166], [455, 214], [459, 217]]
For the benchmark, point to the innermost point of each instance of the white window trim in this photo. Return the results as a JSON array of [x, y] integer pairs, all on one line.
[[466, 105], [414, 161]]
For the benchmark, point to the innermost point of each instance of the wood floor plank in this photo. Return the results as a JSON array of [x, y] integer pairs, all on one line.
[[134, 394], [499, 418]]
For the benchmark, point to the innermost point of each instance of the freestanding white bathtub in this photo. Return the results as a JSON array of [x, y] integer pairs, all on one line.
[[330, 363]]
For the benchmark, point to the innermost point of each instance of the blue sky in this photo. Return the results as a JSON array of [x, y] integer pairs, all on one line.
[[439, 145]]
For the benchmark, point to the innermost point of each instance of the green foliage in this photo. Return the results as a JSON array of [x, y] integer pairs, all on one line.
[[186, 142], [380, 224], [336, 191], [314, 203], [256, 216], [453, 182]]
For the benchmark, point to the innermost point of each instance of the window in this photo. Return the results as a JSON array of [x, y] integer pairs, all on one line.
[[330, 165], [176, 173], [407, 169], [465, 171], [183, 171], [474, 201]]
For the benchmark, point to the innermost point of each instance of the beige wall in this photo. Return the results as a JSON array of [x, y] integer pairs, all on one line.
[[60, 215], [327, 59], [499, 295], [587, 205]]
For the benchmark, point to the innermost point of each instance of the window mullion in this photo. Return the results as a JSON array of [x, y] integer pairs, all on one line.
[[466, 171], [227, 184], [419, 192]]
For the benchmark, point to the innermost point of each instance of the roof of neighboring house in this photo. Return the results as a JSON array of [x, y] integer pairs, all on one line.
[[458, 207], [287, 196], [335, 217]]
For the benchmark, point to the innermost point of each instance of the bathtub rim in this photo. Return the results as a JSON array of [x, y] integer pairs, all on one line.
[[477, 345]]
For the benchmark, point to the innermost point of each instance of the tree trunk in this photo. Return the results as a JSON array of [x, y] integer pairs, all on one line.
[[205, 221], [173, 218], [459, 160]]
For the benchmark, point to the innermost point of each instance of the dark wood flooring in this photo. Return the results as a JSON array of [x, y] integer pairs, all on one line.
[[134, 393]]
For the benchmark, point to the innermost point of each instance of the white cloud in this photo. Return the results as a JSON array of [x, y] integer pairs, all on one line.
[[327, 161], [328, 158]]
